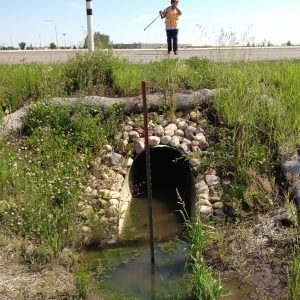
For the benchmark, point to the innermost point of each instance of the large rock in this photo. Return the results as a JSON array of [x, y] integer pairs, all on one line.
[[195, 116], [200, 137], [202, 187], [189, 132], [171, 126], [165, 140], [194, 162], [183, 147], [128, 128], [117, 182], [204, 202], [133, 135], [113, 159], [158, 130], [182, 125], [87, 235], [169, 132], [113, 202], [139, 147], [13, 122], [174, 142], [107, 148], [206, 210], [212, 180], [154, 141], [179, 132], [218, 205]]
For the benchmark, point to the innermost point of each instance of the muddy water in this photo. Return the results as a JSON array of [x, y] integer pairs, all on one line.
[[129, 273], [166, 221]]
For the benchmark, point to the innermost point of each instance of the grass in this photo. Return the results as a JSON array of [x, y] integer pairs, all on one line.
[[42, 172], [262, 101], [97, 73], [200, 282], [294, 279]]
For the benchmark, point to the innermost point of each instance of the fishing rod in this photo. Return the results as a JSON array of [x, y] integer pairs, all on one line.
[[156, 18]]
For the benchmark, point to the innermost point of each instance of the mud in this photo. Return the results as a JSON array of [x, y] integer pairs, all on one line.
[[257, 251]]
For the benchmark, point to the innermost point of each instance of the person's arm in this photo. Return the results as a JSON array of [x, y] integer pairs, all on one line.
[[178, 10], [163, 13]]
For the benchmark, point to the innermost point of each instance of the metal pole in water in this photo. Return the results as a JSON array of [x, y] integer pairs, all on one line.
[[89, 14], [148, 169]]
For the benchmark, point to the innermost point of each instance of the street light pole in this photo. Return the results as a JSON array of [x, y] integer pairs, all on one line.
[[55, 30], [64, 35], [89, 14]]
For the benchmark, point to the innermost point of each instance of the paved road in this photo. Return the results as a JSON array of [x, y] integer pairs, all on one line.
[[147, 55]]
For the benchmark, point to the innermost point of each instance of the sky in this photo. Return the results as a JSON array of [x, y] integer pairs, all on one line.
[[213, 22]]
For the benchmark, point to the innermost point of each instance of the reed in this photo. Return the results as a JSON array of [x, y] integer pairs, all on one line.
[[200, 282]]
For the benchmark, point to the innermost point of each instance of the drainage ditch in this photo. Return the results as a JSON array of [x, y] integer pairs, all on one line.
[[129, 273]]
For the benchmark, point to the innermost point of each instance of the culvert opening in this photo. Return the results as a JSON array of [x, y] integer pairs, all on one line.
[[170, 173]]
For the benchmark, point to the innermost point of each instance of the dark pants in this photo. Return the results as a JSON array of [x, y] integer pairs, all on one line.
[[172, 37]]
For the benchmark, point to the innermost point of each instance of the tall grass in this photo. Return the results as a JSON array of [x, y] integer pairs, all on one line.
[[27, 82], [260, 103], [262, 106], [98, 73], [200, 281], [294, 279], [262, 98]]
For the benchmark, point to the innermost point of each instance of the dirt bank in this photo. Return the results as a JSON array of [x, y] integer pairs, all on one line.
[[257, 251], [21, 281]]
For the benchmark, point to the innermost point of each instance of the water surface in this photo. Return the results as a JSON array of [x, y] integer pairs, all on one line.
[[129, 273]]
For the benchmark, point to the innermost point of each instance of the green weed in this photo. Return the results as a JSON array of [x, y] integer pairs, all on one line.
[[88, 73], [82, 281], [27, 82], [201, 284], [43, 173], [294, 279]]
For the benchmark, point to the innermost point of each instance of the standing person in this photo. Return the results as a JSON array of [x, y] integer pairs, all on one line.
[[171, 14]]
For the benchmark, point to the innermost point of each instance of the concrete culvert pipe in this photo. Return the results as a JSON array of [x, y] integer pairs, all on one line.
[[170, 172]]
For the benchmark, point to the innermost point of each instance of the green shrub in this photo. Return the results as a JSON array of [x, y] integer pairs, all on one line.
[[89, 73]]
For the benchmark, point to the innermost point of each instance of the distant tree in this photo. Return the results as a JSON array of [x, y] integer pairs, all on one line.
[[269, 44], [52, 46], [101, 41], [289, 43], [22, 45], [263, 43]]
